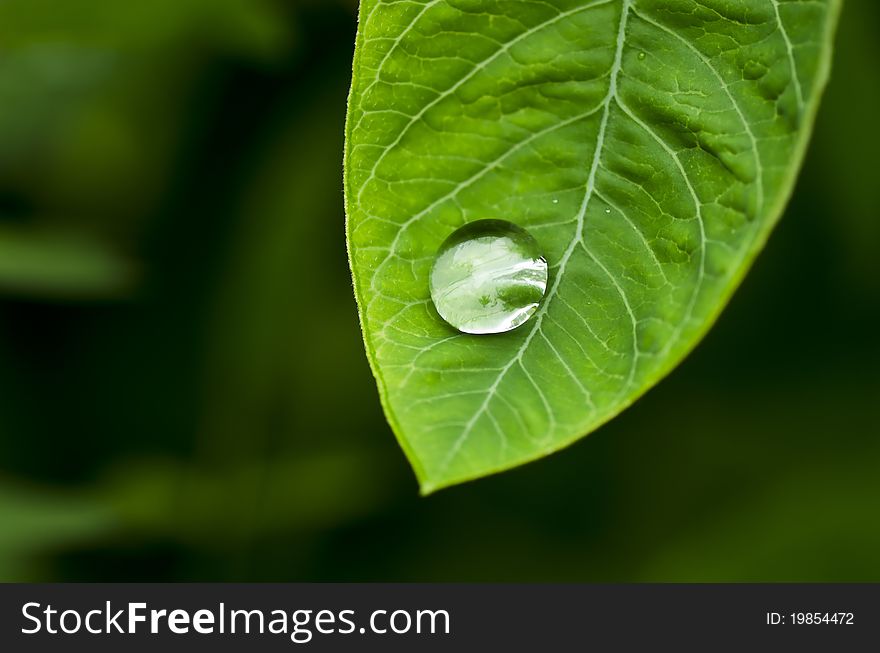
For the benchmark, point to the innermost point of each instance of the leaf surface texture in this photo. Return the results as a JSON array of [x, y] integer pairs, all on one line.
[[648, 145]]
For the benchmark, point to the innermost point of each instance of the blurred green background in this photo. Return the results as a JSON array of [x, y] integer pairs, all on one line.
[[183, 390]]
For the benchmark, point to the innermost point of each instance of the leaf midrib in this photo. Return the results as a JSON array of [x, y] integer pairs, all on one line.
[[538, 319]]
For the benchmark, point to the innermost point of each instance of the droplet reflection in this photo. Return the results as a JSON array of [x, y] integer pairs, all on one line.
[[488, 277]]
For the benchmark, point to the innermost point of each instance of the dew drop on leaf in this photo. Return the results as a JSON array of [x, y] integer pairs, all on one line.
[[489, 276]]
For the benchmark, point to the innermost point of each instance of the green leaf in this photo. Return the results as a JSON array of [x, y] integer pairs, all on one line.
[[649, 146], [39, 520], [54, 264]]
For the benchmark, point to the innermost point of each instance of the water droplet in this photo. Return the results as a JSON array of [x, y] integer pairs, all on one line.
[[489, 277], [642, 55], [555, 201], [607, 210]]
